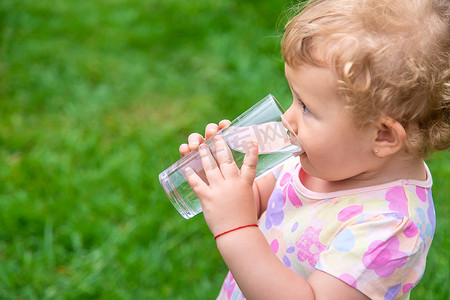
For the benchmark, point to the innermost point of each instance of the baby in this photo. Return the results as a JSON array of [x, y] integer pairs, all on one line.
[[352, 217]]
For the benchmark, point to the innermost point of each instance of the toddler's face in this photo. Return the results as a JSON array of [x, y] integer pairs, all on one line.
[[334, 148]]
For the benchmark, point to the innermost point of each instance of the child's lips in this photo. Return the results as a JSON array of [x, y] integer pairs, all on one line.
[[299, 145], [299, 153]]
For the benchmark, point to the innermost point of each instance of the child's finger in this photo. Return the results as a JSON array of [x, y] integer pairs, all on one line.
[[184, 149], [209, 164], [195, 139], [195, 182], [224, 123], [248, 169], [224, 157], [211, 129]]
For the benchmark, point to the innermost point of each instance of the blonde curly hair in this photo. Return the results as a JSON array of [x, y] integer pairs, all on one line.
[[391, 58]]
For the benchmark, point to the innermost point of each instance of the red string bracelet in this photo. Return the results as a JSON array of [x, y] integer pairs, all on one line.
[[234, 229]]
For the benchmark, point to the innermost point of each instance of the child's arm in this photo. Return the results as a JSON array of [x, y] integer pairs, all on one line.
[[261, 275], [227, 204]]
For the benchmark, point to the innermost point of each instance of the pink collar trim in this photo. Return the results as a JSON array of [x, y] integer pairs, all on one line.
[[299, 187]]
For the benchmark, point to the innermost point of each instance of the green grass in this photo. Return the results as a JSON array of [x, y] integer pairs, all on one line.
[[95, 97]]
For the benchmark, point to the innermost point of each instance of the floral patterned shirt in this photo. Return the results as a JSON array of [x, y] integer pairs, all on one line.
[[375, 239]]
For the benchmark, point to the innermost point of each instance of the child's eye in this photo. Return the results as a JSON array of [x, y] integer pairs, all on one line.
[[305, 109]]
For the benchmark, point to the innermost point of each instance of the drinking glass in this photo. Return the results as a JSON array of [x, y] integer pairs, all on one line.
[[263, 123]]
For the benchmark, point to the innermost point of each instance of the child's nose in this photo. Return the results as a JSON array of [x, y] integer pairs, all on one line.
[[289, 117]]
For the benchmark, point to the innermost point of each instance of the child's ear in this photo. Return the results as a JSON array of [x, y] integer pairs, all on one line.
[[391, 137]]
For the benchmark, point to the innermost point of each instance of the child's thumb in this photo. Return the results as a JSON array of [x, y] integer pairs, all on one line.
[[248, 169]]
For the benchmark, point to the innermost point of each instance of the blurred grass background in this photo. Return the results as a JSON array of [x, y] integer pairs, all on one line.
[[95, 98]]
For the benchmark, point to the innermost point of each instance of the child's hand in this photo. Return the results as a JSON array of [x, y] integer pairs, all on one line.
[[227, 201], [195, 139]]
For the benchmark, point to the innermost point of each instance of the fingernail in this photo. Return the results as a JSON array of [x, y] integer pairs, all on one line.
[[202, 148], [188, 171], [252, 145]]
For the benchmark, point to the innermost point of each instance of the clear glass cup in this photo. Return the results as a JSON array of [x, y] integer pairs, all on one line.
[[263, 123]]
